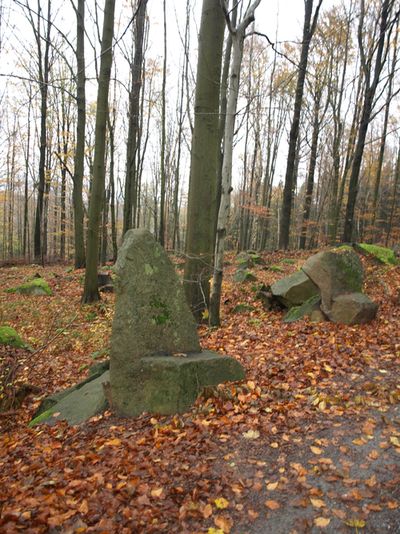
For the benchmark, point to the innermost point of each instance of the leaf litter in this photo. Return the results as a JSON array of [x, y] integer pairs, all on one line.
[[308, 442]]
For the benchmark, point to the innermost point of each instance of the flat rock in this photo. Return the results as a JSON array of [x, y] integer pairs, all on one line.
[[171, 384], [352, 308], [78, 404], [295, 289]]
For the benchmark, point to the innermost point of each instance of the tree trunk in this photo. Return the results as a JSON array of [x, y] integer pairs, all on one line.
[[238, 35], [44, 70], [380, 58], [80, 138], [311, 170], [130, 196], [91, 292], [202, 201], [290, 177]]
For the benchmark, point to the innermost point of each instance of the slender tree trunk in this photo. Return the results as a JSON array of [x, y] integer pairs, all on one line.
[[290, 178], [130, 196], [44, 70], [384, 132], [311, 170], [163, 176], [91, 292], [371, 85], [238, 35], [79, 163]]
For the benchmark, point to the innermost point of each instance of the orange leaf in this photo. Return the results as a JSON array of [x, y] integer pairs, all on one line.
[[113, 442], [316, 450], [224, 523], [272, 505], [207, 511], [318, 503], [321, 522]]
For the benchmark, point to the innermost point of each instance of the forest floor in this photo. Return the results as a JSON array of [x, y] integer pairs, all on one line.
[[309, 442]]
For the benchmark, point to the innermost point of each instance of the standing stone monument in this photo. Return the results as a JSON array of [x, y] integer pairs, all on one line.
[[156, 361]]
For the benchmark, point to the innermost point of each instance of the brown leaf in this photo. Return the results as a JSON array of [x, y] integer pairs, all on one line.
[[225, 523], [272, 505], [321, 522]]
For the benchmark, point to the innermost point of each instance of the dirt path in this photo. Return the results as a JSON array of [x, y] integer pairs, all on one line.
[[338, 475]]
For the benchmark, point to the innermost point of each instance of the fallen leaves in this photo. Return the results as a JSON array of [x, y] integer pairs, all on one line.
[[301, 414]]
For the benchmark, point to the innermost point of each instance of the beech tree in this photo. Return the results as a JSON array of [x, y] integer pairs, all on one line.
[[238, 34], [202, 200], [372, 61], [91, 292]]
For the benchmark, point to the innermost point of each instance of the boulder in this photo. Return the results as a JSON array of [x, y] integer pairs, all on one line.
[[293, 290], [77, 404], [335, 272], [299, 312], [352, 308], [171, 384], [37, 287], [242, 275], [247, 260], [152, 319], [9, 336]]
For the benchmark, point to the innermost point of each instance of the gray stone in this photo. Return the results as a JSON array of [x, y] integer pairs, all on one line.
[[95, 371], [317, 316], [78, 405], [295, 289], [299, 312], [152, 326], [352, 308], [242, 275], [335, 272], [171, 384]]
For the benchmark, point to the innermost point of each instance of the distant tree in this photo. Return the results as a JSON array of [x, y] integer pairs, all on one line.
[[91, 292], [310, 23], [373, 59], [136, 67], [79, 163]]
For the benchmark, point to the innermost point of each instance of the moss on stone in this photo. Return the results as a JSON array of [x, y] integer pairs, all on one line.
[[36, 286], [382, 254], [8, 336], [298, 312], [42, 417], [242, 275]]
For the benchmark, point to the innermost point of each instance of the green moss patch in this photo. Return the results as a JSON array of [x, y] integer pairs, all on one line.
[[298, 312], [37, 286], [8, 336], [243, 275], [42, 417], [382, 254]]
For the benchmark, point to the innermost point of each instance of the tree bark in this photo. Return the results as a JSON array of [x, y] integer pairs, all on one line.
[[91, 292], [202, 201], [238, 35], [79, 163]]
